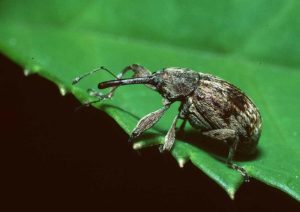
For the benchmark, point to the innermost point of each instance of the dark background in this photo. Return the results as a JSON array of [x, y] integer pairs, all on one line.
[[55, 157]]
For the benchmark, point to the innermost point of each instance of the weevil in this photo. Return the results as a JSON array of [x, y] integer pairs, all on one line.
[[215, 107]]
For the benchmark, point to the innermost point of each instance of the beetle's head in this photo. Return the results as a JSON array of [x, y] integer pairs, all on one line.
[[172, 83], [175, 83]]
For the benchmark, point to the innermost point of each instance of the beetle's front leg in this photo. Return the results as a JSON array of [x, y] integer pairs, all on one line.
[[148, 121], [97, 94], [138, 71], [228, 135], [100, 96], [170, 137]]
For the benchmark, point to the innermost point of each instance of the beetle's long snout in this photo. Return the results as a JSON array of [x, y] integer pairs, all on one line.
[[113, 83]]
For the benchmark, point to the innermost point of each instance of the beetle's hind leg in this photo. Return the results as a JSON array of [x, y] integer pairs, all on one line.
[[234, 166], [229, 135]]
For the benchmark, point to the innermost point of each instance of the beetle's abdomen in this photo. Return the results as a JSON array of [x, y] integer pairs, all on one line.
[[222, 105]]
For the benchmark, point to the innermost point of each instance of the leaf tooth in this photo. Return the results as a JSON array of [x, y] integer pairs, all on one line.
[[27, 72], [62, 89], [182, 161], [31, 69], [143, 144], [231, 193], [138, 145], [147, 143]]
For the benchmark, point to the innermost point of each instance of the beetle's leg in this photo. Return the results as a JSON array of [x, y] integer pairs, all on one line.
[[234, 166], [228, 135], [138, 70], [77, 79], [94, 93], [148, 121], [97, 94], [182, 115], [180, 131], [170, 137]]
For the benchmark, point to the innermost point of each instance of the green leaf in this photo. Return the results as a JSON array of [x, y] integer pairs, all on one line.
[[254, 45]]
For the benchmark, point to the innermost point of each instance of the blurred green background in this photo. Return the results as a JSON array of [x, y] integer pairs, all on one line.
[[253, 44]]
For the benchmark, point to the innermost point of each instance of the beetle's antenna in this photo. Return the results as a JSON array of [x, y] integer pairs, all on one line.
[[105, 69], [102, 68]]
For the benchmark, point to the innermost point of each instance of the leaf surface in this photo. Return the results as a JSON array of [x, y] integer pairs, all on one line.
[[255, 46]]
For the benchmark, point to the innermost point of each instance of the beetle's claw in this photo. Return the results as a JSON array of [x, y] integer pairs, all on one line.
[[132, 137], [240, 170], [245, 175]]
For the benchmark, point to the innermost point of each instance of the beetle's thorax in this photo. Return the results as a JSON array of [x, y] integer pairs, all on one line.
[[176, 83]]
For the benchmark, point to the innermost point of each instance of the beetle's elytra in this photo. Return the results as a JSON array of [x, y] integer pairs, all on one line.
[[215, 107]]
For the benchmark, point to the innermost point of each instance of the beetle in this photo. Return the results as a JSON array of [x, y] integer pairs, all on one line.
[[215, 107]]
